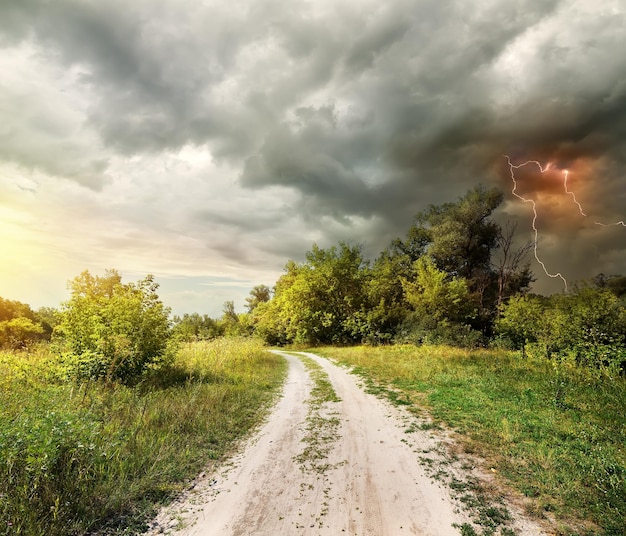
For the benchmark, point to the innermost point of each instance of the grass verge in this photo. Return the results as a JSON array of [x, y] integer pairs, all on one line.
[[556, 434], [99, 459]]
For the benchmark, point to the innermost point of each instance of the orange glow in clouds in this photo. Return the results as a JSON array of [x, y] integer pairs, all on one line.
[[552, 189], [542, 169]]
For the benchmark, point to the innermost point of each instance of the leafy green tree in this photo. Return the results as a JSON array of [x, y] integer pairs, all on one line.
[[272, 320], [195, 327], [20, 326], [19, 332], [49, 318], [259, 294], [385, 305], [464, 242], [434, 293], [113, 330], [460, 237], [521, 321], [317, 301], [588, 325], [10, 309], [229, 322]]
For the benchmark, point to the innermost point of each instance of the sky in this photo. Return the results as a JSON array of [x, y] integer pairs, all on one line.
[[208, 142]]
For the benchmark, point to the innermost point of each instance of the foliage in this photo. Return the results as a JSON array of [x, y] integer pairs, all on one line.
[[565, 455], [195, 327], [440, 277], [20, 326], [259, 294], [466, 244], [19, 332], [386, 305], [113, 330], [461, 235], [98, 459], [521, 320], [432, 292], [421, 329], [587, 327], [10, 309], [316, 301], [614, 283]]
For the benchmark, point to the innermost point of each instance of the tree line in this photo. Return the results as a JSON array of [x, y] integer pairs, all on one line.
[[445, 281], [457, 277]]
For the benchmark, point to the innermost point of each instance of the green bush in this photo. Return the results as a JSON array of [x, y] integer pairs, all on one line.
[[113, 330], [586, 327]]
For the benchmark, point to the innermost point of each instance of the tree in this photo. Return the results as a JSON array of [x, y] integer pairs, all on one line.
[[19, 332], [461, 234], [259, 294], [10, 309], [317, 301], [194, 327], [436, 294], [461, 239], [20, 326], [513, 273], [111, 329], [385, 306], [589, 324], [520, 321], [614, 283]]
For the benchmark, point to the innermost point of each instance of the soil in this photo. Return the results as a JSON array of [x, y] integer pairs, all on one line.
[[358, 466]]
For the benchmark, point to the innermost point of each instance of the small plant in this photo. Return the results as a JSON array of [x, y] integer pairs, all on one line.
[[554, 429], [322, 423], [98, 458]]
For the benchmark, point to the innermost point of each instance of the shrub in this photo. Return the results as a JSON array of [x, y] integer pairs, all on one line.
[[113, 330]]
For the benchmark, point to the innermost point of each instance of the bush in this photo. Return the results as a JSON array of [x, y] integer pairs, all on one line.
[[424, 329], [586, 327], [113, 330]]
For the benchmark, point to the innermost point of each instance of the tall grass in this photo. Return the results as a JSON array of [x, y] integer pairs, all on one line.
[[92, 458], [557, 433]]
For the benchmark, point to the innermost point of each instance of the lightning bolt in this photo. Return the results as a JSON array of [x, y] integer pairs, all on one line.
[[543, 169], [569, 192], [611, 224], [580, 208]]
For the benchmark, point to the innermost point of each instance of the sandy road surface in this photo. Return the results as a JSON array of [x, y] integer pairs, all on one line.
[[358, 466]]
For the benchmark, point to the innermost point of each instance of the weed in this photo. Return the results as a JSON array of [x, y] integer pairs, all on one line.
[[321, 423], [95, 458], [556, 433]]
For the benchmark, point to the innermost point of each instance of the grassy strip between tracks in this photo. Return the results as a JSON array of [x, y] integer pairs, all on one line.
[[99, 459], [557, 434]]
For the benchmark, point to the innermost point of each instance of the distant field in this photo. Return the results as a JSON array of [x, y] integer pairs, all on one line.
[[558, 435], [95, 458]]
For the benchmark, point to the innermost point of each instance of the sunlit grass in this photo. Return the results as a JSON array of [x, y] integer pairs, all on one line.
[[84, 458], [557, 434]]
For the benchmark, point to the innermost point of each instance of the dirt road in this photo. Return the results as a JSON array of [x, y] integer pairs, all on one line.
[[350, 464]]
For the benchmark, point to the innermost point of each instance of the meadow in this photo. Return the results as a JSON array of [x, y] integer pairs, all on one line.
[[98, 457], [554, 432]]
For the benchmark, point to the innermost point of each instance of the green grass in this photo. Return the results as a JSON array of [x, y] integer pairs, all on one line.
[[99, 459], [558, 435]]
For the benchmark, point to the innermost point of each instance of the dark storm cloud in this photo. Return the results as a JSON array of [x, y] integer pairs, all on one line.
[[367, 110]]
